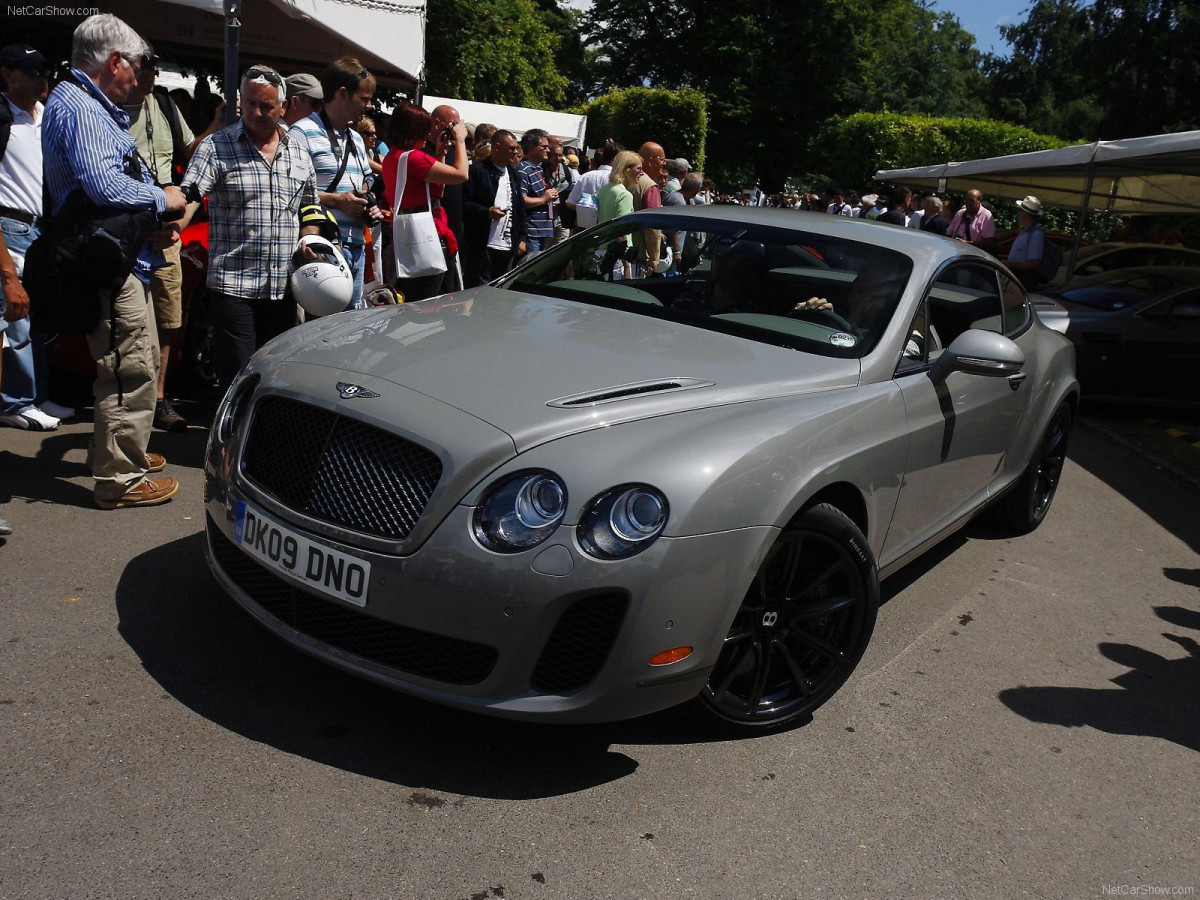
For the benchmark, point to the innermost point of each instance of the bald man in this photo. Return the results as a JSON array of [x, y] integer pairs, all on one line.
[[974, 223], [443, 117], [647, 194]]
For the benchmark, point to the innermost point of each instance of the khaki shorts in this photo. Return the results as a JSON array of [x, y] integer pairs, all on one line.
[[166, 289]]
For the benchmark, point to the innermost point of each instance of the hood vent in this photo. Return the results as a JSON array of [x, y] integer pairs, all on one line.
[[625, 391]]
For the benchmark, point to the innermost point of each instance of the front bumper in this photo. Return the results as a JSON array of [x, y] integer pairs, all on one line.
[[550, 633]]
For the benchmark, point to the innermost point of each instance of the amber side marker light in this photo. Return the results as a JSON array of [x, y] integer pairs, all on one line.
[[674, 655]]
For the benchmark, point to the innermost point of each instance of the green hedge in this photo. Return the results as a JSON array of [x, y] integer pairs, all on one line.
[[851, 150], [631, 116]]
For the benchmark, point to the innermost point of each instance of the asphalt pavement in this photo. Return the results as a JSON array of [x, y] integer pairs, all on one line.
[[1026, 722]]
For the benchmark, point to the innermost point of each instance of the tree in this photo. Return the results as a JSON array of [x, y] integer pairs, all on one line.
[[1043, 83], [919, 62], [774, 70], [495, 51], [1108, 69], [766, 89]]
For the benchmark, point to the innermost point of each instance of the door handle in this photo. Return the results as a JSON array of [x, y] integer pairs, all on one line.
[[1015, 381]]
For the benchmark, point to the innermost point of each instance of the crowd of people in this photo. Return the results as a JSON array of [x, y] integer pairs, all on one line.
[[108, 154]]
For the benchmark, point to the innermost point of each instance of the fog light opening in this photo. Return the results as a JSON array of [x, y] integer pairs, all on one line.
[[674, 655]]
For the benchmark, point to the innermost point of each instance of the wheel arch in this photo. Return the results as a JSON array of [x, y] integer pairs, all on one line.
[[846, 498]]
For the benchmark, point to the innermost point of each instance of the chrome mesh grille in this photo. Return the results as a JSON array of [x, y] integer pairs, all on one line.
[[411, 650], [339, 470]]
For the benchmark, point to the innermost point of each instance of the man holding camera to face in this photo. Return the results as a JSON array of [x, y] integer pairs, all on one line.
[[339, 158]]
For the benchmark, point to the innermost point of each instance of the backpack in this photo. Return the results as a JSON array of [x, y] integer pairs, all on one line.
[[171, 113], [1052, 257]]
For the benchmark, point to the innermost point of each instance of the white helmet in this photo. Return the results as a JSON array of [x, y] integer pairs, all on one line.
[[322, 286]]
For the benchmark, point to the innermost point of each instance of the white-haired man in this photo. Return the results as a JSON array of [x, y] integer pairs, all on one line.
[[88, 151], [258, 180]]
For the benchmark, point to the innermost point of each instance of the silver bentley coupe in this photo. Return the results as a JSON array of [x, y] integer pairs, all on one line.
[[607, 484]]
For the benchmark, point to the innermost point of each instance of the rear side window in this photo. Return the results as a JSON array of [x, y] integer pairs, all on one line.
[[965, 296], [1016, 313]]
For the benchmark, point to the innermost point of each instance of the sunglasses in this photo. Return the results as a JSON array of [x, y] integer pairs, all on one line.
[[265, 74]]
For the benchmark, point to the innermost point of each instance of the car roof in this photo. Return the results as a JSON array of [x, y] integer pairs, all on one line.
[[910, 241]]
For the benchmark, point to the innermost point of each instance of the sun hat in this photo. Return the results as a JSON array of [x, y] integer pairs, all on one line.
[[1031, 205]]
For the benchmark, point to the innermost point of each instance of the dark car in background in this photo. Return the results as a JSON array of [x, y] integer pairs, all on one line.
[[1096, 259], [1136, 331]]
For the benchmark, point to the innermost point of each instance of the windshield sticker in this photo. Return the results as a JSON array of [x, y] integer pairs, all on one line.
[[841, 339]]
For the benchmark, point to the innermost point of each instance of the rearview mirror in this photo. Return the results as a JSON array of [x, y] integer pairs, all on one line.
[[978, 352]]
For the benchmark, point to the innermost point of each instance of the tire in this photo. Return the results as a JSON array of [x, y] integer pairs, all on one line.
[[800, 630], [1023, 508]]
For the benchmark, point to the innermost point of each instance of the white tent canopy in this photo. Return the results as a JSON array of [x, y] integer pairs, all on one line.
[[567, 127], [388, 36], [1147, 175]]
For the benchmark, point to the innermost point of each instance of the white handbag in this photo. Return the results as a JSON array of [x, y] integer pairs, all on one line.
[[415, 241]]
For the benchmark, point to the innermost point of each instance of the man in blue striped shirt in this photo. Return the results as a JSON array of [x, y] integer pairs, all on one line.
[[339, 157], [539, 199], [87, 147]]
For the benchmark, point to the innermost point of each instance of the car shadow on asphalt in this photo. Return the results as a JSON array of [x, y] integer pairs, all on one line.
[[211, 656], [1157, 697]]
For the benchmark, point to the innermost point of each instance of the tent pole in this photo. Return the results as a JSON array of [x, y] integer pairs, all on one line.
[[1083, 211], [232, 46]]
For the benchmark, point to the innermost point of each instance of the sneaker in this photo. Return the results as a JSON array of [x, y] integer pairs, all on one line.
[[148, 493], [30, 419], [157, 462], [5, 528], [165, 417], [60, 412]]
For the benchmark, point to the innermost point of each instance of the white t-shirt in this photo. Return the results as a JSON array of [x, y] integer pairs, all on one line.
[[584, 196], [500, 234], [21, 168]]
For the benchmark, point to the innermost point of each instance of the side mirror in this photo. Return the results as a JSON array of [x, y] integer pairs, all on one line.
[[978, 352]]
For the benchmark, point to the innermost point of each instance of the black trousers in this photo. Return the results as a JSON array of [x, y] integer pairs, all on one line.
[[241, 326]]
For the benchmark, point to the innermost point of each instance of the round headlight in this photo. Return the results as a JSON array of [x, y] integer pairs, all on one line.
[[622, 521], [520, 512]]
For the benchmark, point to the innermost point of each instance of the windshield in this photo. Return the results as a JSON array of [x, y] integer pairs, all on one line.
[[777, 285], [1115, 290]]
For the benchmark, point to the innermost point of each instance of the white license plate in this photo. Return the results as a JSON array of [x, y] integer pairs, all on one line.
[[318, 566]]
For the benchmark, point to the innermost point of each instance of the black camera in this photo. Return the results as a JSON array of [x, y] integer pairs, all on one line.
[[372, 200]]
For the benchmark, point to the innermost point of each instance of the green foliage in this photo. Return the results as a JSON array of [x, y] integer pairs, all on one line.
[[631, 116], [772, 70], [918, 62], [854, 148], [494, 51], [1102, 69]]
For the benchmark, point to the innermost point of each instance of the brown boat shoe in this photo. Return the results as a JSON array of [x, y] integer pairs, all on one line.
[[147, 493]]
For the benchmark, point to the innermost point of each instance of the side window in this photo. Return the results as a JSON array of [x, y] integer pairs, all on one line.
[[917, 345], [965, 296], [1016, 314]]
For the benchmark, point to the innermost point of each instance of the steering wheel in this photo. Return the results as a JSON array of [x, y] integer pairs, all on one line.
[[825, 317]]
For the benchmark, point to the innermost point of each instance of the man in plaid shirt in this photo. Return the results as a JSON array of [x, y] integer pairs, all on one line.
[[257, 183]]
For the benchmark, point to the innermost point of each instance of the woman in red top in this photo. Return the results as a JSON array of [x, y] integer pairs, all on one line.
[[408, 132]]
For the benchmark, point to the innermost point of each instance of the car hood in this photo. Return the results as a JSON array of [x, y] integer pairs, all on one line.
[[1061, 314], [539, 368]]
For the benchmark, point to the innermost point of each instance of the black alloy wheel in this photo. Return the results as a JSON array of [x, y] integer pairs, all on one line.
[[1024, 507], [801, 629]]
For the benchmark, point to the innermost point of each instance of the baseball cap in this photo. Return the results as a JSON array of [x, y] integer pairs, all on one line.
[[25, 58], [678, 166], [304, 85]]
